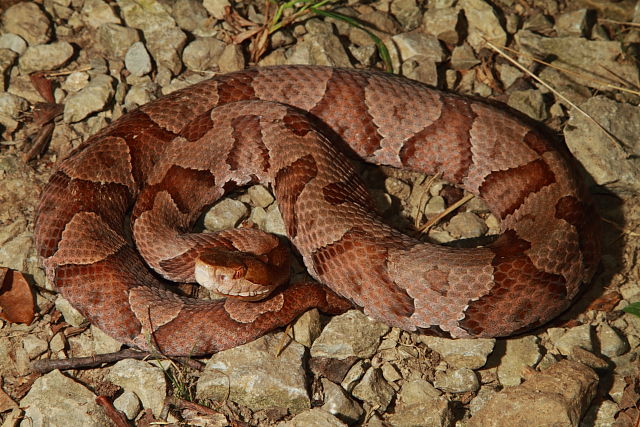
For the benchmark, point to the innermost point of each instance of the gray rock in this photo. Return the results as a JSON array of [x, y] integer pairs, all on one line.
[[374, 390], [254, 375], [390, 372], [442, 23], [321, 48], [381, 24], [189, 14], [353, 375], [577, 53], [34, 346], [216, 7], [397, 188], [574, 23], [273, 222], [57, 343], [260, 196], [587, 358], [76, 81], [146, 16], [203, 53], [520, 353], [28, 21], [227, 213], [165, 45], [463, 57], [601, 415], [137, 60], [538, 23], [7, 59], [433, 412], [315, 417], [407, 12], [416, 391], [97, 12], [103, 343], [606, 161], [142, 378], [579, 336], [45, 57], [94, 97], [456, 380], [338, 403], [557, 396], [529, 102], [467, 224], [231, 59], [13, 42], [307, 328], [435, 206], [461, 353], [57, 400], [508, 74], [12, 105], [350, 334], [484, 395], [422, 70], [128, 403], [483, 24], [138, 95], [70, 314], [611, 343], [418, 45], [365, 55], [114, 40]]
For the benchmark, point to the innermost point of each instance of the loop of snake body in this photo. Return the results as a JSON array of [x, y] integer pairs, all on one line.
[[289, 127]]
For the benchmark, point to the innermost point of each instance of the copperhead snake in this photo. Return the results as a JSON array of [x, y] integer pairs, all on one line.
[[285, 127]]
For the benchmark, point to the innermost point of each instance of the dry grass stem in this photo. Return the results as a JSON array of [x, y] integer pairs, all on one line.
[[579, 74], [558, 94], [423, 200], [446, 212]]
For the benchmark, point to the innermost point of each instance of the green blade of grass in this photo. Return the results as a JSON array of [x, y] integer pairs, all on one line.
[[382, 49], [633, 309]]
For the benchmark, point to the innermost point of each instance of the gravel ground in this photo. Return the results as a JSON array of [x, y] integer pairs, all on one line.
[[105, 58]]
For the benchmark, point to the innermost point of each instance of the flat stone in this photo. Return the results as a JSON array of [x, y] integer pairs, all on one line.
[[461, 353], [114, 40], [142, 378], [442, 23], [254, 375], [137, 59], [338, 403], [56, 400], [94, 97], [98, 12], [315, 417], [374, 390], [483, 24], [350, 334], [28, 21], [14, 42], [606, 161], [456, 380], [557, 396], [520, 354], [225, 214], [45, 57]]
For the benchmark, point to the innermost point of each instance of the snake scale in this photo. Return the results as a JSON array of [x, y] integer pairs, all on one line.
[[147, 177]]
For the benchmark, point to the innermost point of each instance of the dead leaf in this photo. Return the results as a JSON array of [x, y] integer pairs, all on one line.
[[17, 301]]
